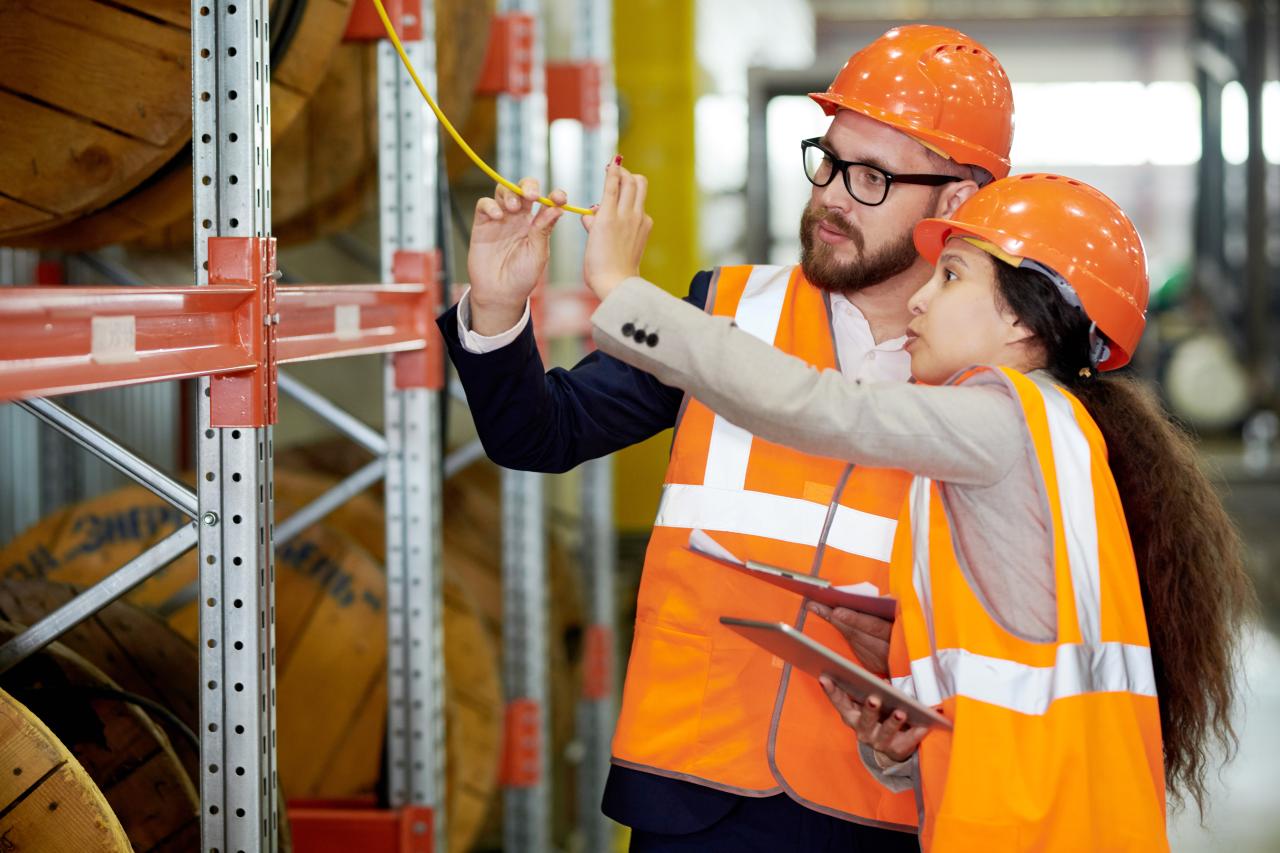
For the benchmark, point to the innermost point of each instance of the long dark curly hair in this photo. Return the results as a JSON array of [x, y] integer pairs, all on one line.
[[1196, 591]]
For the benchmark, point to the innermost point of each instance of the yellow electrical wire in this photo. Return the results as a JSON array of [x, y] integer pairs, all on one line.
[[448, 125]]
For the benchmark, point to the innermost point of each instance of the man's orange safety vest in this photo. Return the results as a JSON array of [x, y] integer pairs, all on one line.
[[700, 702], [1056, 745]]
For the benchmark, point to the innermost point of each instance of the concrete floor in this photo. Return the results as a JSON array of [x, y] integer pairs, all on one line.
[[1244, 812]]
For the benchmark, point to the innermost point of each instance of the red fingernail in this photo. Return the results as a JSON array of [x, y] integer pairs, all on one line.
[[617, 161]]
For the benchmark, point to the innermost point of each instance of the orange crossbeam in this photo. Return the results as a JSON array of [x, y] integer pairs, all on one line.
[[327, 321], [61, 340]]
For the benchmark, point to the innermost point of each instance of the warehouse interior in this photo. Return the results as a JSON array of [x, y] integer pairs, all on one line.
[[448, 639]]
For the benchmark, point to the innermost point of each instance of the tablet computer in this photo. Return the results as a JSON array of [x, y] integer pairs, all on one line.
[[807, 654], [820, 590]]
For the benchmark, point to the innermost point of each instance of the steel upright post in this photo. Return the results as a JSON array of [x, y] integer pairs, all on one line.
[[231, 140], [593, 43], [408, 148], [522, 141]]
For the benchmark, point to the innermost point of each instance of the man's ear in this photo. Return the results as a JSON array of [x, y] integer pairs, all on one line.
[[952, 196]]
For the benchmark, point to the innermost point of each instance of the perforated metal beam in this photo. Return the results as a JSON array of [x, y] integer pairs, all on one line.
[[231, 72]]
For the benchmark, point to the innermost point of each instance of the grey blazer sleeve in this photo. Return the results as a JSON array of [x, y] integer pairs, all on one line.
[[965, 435]]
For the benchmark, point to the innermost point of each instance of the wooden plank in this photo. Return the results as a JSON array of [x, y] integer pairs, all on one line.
[[175, 12], [51, 806], [25, 754], [307, 58], [73, 55], [17, 218], [343, 642], [86, 165], [66, 814]]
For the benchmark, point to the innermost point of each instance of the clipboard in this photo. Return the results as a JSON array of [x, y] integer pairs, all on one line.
[[808, 655], [818, 589]]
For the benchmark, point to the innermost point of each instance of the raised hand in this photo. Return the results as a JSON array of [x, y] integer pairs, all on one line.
[[508, 254], [619, 230]]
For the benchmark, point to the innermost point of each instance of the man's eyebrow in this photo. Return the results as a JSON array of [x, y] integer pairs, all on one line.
[[869, 160]]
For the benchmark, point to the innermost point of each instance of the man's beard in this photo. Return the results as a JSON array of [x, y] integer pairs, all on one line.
[[820, 266]]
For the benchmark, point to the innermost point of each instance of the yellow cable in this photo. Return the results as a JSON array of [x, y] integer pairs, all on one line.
[[448, 125]]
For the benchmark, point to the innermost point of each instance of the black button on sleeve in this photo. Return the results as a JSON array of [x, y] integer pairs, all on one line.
[[628, 329], [652, 340], [639, 336]]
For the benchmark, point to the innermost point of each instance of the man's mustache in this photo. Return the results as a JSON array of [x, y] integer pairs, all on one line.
[[833, 222]]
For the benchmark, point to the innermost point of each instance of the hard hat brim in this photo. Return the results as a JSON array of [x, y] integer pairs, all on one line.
[[1103, 304], [958, 149]]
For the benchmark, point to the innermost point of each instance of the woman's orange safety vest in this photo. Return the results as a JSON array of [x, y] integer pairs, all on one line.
[[1056, 745], [700, 702]]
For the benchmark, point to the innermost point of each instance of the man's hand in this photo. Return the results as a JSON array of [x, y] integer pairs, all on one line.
[[509, 252], [891, 736], [619, 230], [867, 636]]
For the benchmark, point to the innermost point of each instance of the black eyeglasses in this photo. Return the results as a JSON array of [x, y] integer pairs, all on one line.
[[866, 183]]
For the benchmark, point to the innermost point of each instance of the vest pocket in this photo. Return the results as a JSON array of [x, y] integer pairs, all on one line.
[[737, 705], [662, 698]]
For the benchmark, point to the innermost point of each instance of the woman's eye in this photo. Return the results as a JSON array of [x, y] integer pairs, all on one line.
[[948, 275]]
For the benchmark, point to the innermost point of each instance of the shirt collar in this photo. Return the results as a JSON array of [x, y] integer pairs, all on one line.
[[838, 303]]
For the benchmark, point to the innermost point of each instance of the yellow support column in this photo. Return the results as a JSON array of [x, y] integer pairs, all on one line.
[[656, 72]]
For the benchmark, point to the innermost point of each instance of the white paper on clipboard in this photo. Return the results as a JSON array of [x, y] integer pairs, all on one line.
[[862, 597]]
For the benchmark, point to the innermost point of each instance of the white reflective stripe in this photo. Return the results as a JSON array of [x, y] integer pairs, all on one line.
[[921, 491], [1078, 669], [728, 453], [773, 517], [856, 532], [1071, 460], [758, 313]]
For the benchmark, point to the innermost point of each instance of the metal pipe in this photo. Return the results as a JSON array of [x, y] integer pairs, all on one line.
[[332, 414], [113, 453], [1257, 296], [98, 596], [463, 458], [330, 500]]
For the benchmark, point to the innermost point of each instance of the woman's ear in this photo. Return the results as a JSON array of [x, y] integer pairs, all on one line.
[[952, 196], [1017, 333]]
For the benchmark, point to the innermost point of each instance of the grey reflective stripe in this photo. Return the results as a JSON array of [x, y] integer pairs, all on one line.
[[777, 517], [1077, 669], [1072, 462], [758, 313]]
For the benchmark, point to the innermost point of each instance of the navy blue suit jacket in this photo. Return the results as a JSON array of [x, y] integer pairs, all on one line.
[[532, 419]]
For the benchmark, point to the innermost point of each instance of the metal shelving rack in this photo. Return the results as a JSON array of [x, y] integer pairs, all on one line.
[[591, 55], [521, 142], [231, 332]]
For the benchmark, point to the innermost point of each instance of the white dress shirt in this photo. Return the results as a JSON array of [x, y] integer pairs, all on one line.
[[861, 358]]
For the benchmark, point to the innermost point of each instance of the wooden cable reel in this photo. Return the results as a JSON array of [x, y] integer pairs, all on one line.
[[79, 175], [97, 108], [137, 651], [48, 803], [118, 744], [331, 645], [473, 553]]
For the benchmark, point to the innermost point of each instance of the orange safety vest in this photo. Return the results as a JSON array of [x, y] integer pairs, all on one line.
[[700, 702], [1056, 745]]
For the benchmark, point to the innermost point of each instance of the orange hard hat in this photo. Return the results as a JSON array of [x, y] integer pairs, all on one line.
[[936, 85], [1075, 231]]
